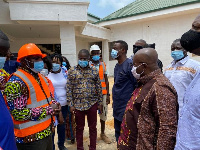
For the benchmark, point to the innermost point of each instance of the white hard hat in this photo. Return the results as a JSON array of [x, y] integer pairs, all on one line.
[[95, 47]]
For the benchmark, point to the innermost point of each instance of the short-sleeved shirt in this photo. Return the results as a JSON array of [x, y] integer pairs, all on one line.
[[7, 138], [181, 75], [124, 85]]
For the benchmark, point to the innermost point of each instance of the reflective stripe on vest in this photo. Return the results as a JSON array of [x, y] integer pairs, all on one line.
[[34, 102], [102, 78], [31, 123], [36, 99]]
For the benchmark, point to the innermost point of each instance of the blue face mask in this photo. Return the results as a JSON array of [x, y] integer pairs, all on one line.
[[2, 62], [96, 57], [114, 54], [55, 67], [64, 64], [177, 55], [38, 66], [83, 63]]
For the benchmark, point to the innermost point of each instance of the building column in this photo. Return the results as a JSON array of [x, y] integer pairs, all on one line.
[[105, 53], [68, 43]]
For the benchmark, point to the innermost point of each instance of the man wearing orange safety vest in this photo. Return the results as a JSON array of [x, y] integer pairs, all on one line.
[[30, 103], [101, 67]]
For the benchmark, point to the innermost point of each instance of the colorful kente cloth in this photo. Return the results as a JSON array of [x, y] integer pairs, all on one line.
[[150, 119], [3, 79]]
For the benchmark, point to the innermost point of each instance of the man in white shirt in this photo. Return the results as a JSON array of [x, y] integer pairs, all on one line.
[[187, 137], [181, 71]]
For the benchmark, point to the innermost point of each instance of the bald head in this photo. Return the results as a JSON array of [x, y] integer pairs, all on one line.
[[146, 61], [147, 55]]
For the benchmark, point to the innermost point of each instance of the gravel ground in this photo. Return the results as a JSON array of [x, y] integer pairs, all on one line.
[[110, 132]]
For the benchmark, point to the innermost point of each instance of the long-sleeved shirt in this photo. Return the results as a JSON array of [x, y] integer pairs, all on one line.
[[151, 115], [3, 79], [124, 85], [17, 94], [181, 75], [83, 87], [188, 134]]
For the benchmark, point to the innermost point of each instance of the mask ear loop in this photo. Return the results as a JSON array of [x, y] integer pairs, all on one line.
[[143, 69]]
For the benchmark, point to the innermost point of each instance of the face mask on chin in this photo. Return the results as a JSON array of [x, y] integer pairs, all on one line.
[[191, 41], [134, 72]]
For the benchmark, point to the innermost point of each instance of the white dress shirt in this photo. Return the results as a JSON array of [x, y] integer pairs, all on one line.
[[188, 133], [181, 74]]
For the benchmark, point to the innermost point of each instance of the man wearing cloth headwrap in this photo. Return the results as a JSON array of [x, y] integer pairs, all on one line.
[[189, 121]]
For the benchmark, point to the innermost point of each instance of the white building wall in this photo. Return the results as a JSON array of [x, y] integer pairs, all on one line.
[[162, 32]]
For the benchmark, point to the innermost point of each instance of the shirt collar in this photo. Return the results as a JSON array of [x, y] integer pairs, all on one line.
[[143, 80], [182, 61]]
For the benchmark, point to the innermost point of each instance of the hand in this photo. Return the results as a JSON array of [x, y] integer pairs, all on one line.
[[56, 108], [72, 109], [108, 99], [100, 108]]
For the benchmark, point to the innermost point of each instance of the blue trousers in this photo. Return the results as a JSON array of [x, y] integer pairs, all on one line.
[[117, 125], [61, 127]]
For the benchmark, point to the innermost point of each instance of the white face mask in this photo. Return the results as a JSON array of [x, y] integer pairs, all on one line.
[[44, 72], [134, 72]]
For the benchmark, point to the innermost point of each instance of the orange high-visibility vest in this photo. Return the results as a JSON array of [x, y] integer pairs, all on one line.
[[36, 99], [102, 70]]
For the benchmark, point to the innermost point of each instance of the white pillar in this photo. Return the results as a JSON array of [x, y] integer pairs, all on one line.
[[68, 42], [105, 53]]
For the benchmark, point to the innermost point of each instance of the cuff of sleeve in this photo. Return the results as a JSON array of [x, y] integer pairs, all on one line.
[[49, 110], [54, 102]]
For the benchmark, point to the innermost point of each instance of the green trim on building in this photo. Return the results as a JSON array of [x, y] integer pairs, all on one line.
[[139, 7], [91, 15]]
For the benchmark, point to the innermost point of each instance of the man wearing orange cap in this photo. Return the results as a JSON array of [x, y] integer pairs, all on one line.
[[30, 102]]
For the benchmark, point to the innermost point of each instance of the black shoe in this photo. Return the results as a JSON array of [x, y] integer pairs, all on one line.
[[72, 141], [62, 148]]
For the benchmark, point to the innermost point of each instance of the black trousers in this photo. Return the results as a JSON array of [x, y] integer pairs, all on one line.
[[44, 144]]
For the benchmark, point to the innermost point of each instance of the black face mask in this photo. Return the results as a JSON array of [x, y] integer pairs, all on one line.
[[190, 40], [136, 48]]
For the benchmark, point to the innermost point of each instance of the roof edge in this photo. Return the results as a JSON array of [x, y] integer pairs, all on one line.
[[145, 12], [94, 16]]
